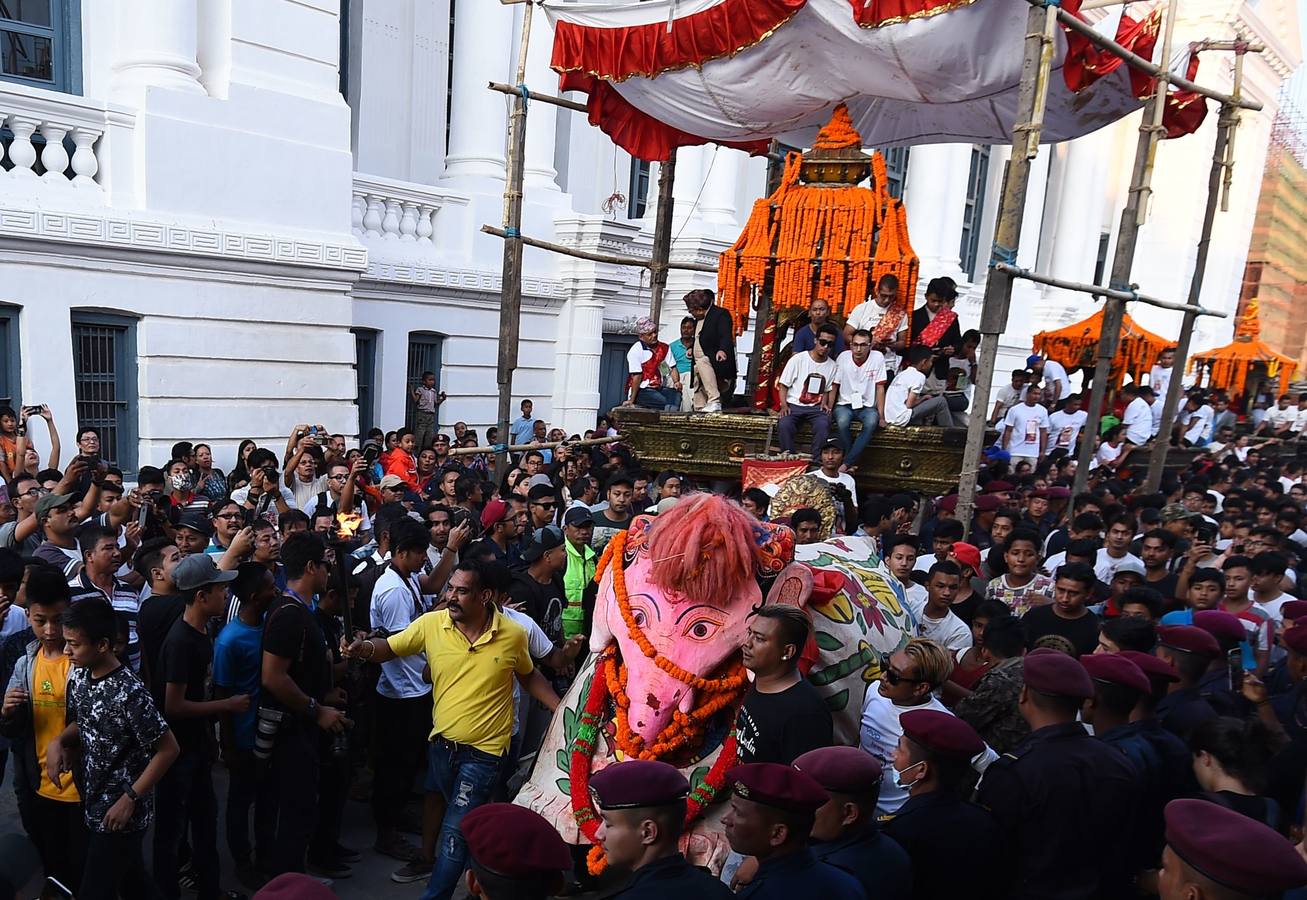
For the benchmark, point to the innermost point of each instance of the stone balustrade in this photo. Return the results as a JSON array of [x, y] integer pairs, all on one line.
[[56, 137], [400, 211]]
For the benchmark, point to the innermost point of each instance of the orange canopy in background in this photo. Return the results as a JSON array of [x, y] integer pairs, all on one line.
[[1076, 344], [1228, 367]]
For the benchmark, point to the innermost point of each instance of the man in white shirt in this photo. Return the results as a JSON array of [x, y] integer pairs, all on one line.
[[646, 362], [908, 682], [1052, 371], [935, 618], [807, 394], [1159, 376], [1155, 408], [1064, 426], [832, 470], [1009, 395], [1280, 421], [906, 401], [868, 314], [1198, 424], [1300, 420], [860, 379], [1025, 430], [1138, 416], [1115, 551]]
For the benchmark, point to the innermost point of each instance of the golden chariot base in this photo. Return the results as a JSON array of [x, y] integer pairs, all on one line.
[[713, 445]]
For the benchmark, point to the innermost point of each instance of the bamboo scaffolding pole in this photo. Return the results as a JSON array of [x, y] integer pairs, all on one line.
[[539, 97], [1133, 296], [510, 297], [662, 238], [548, 445], [1127, 237], [1007, 238], [1224, 131], [615, 259]]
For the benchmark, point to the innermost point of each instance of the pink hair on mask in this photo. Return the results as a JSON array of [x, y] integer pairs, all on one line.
[[703, 548]]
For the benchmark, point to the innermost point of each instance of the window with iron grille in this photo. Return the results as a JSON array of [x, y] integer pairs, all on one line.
[[423, 356], [974, 209], [40, 43], [637, 203], [104, 376], [896, 169], [9, 361], [365, 373]]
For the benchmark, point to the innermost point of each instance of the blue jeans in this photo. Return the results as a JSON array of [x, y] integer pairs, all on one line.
[[466, 777], [658, 398], [844, 416]]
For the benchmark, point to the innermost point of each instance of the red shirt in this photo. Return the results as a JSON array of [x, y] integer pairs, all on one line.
[[405, 466]]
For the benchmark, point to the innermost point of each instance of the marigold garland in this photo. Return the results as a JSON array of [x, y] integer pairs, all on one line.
[[609, 682], [806, 242]]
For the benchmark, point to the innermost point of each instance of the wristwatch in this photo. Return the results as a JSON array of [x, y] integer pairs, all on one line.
[[131, 793]]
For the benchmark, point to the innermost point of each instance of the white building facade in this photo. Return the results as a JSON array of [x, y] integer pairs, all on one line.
[[219, 218]]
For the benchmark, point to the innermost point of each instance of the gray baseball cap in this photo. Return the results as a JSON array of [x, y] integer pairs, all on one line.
[[197, 571]]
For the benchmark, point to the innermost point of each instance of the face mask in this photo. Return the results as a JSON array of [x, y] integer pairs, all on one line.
[[181, 482], [898, 777]]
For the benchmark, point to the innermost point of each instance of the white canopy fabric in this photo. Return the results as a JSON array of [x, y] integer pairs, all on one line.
[[949, 75]]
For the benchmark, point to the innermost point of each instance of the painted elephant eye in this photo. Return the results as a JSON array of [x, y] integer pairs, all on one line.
[[701, 629], [640, 618]]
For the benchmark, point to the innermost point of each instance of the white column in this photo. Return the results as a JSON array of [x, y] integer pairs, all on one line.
[[687, 202], [156, 48], [935, 198], [478, 126], [1026, 295], [720, 193], [1073, 240], [541, 118]]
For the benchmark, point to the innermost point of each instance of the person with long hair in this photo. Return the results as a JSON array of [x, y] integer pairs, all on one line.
[[1230, 758], [240, 473]]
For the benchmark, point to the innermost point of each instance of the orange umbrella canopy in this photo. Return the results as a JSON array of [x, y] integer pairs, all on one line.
[[1076, 344], [1229, 366]]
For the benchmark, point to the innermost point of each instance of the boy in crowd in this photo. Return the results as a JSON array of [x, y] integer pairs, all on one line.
[[125, 749], [935, 618], [1022, 587], [34, 711]]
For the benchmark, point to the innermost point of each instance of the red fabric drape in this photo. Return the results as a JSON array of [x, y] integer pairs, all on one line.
[[875, 13]]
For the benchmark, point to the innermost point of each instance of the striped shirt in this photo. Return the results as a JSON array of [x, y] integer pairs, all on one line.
[[124, 599]]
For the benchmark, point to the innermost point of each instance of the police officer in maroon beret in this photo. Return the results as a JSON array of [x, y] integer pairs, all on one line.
[[1220, 685], [772, 808], [513, 852], [844, 833], [1214, 853], [1190, 651], [955, 846], [642, 804], [1060, 792]]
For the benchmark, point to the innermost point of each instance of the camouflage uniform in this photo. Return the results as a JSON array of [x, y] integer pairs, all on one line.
[[991, 708]]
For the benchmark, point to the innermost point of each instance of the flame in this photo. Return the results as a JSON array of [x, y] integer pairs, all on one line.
[[347, 525]]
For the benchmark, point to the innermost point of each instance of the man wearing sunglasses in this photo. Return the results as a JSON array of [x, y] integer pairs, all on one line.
[[542, 504], [807, 392], [907, 681]]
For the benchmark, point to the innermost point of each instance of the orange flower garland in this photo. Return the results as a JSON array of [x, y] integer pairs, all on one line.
[[838, 133]]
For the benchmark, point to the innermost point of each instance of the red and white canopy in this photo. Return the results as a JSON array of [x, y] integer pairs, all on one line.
[[667, 73]]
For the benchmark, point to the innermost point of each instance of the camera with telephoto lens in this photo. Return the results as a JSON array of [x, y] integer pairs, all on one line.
[[268, 722]]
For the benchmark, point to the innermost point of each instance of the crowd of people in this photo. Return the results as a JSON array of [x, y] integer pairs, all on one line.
[[1102, 696]]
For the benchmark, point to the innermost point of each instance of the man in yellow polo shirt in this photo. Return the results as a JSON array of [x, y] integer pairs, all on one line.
[[474, 653]]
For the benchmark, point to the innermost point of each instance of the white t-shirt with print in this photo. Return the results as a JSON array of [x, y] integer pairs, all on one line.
[[868, 315], [1029, 424], [806, 380], [1064, 428], [858, 382]]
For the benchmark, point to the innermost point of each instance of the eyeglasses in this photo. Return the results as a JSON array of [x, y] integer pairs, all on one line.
[[337, 477], [894, 678], [545, 505], [228, 516], [35, 492], [825, 343], [860, 345]]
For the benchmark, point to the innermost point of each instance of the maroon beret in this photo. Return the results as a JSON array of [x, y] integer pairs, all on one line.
[[941, 732], [949, 503], [988, 503], [637, 783], [1160, 672], [1113, 668], [1040, 492], [1051, 672], [1293, 609], [782, 787], [513, 841], [1058, 492], [1224, 626], [294, 886], [1295, 639], [1233, 850], [1189, 639], [841, 770], [999, 487]]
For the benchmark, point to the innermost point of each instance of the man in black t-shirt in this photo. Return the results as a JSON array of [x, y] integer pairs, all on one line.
[[185, 795], [1068, 615], [538, 590], [156, 562], [296, 681], [617, 515], [783, 716]]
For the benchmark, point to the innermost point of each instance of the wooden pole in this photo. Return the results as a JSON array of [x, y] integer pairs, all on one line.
[[1127, 236], [510, 298], [542, 98], [1101, 291], [615, 259], [662, 237], [548, 445], [1007, 237], [1157, 462]]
